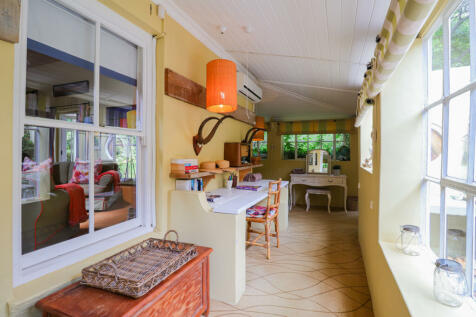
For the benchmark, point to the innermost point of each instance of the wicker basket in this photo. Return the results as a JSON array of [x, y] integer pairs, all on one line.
[[138, 269]]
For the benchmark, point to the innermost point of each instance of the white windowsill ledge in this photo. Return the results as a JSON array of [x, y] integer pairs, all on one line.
[[414, 277], [367, 169]]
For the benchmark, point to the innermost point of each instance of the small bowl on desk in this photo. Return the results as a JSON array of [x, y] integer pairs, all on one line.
[[207, 165], [222, 163]]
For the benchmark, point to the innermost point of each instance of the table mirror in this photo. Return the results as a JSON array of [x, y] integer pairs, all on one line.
[[318, 162]]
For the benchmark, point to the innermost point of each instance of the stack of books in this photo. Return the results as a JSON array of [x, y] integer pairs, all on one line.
[[184, 166]]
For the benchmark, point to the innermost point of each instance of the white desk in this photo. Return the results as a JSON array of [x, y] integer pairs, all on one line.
[[222, 226], [234, 201], [317, 180]]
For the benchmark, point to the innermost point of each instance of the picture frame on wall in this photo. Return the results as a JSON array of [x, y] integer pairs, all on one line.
[[9, 20]]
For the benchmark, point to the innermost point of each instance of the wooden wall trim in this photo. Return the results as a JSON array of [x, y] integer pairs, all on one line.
[[186, 90]]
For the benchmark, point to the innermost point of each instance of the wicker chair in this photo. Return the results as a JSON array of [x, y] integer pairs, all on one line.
[[265, 215]]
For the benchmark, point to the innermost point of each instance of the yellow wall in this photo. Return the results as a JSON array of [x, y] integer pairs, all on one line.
[[275, 167], [177, 122], [394, 186]]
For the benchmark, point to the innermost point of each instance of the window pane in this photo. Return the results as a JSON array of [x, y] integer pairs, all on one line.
[[314, 145], [55, 169], [459, 36], [435, 77], [433, 209], [435, 141], [60, 65], [458, 136], [254, 148], [340, 137], [115, 186], [301, 149], [342, 151], [327, 137], [119, 82], [315, 137], [288, 145], [263, 149], [302, 137], [456, 223], [328, 146]]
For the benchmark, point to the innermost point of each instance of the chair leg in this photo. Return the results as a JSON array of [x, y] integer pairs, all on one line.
[[306, 197], [248, 230], [329, 203], [276, 229], [268, 245]]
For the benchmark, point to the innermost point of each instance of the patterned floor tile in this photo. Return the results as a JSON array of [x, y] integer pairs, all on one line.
[[317, 271]]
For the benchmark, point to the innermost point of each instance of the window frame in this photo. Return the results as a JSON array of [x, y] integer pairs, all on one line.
[[27, 267], [468, 185], [334, 145]]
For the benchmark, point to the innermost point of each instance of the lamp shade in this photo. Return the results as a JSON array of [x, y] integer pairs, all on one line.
[[221, 86], [259, 136]]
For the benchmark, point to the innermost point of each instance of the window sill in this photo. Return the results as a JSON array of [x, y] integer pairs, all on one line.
[[414, 277]]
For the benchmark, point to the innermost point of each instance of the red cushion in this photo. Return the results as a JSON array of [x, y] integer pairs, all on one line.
[[259, 212]]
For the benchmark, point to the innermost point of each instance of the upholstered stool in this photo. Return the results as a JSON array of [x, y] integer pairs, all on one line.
[[313, 191]]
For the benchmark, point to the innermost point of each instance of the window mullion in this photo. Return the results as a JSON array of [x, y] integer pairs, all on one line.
[[91, 180], [97, 63], [470, 243], [445, 112]]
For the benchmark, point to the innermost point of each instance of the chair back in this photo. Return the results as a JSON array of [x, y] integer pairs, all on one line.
[[273, 197]]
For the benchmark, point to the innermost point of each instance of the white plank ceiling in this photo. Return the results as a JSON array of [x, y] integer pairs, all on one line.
[[309, 56]]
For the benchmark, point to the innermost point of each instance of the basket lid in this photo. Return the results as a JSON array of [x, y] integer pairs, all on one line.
[[449, 265]]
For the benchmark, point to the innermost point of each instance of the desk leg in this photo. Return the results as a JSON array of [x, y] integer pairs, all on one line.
[[345, 199], [291, 197]]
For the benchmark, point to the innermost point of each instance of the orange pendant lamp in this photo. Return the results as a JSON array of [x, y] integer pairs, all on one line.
[[221, 86], [259, 136]]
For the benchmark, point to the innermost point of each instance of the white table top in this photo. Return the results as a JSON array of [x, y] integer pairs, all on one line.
[[235, 201]]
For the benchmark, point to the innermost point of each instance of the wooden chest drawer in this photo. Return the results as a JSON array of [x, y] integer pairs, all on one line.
[[185, 293]]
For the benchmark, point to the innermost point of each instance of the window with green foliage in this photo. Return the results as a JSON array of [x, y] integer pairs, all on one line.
[[296, 146], [260, 148]]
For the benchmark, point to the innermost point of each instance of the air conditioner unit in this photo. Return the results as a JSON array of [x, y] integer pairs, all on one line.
[[248, 88]]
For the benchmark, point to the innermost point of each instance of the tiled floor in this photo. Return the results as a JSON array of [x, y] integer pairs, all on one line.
[[316, 271]]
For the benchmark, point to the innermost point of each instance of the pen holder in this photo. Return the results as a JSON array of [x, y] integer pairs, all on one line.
[[228, 184], [235, 181]]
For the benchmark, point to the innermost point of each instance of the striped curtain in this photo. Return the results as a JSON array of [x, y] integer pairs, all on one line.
[[316, 126], [404, 20]]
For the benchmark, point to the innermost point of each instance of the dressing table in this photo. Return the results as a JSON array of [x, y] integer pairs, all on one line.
[[316, 180], [318, 163]]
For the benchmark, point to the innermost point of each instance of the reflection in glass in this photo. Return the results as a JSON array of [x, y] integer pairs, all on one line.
[[433, 209], [51, 180], [459, 46], [435, 76], [435, 141], [60, 65], [455, 204], [115, 188], [458, 136], [118, 82]]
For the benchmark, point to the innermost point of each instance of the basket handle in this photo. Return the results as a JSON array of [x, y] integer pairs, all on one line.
[[177, 244], [112, 265], [167, 233]]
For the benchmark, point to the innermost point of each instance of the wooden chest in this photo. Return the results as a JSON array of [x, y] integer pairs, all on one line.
[[184, 293]]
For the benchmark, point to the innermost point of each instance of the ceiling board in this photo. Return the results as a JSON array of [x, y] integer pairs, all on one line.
[[305, 46]]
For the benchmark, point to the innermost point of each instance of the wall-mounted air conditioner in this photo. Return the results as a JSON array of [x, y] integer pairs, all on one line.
[[248, 88]]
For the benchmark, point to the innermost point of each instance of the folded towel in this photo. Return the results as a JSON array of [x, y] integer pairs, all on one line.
[[253, 177]]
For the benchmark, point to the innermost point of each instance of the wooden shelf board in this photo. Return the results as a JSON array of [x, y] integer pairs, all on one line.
[[192, 175]]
